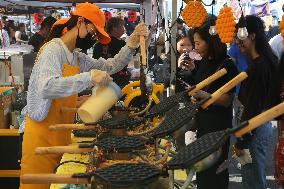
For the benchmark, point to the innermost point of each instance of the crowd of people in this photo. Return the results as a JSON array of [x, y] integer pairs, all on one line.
[[16, 33], [12, 33], [260, 58]]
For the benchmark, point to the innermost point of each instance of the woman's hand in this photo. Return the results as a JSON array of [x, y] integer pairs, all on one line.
[[152, 31], [199, 95], [185, 64], [100, 78], [134, 39], [238, 152]]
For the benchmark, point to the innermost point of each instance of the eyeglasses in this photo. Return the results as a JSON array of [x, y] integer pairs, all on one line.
[[94, 35], [93, 32]]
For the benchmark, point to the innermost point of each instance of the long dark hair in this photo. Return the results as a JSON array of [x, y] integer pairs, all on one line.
[[281, 77], [281, 67], [256, 26], [216, 49], [114, 23], [269, 97], [57, 30]]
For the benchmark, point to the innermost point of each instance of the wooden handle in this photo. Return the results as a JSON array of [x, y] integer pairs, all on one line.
[[71, 127], [143, 50], [9, 173], [207, 81], [65, 109], [224, 89], [52, 178], [261, 119], [61, 150], [9, 132]]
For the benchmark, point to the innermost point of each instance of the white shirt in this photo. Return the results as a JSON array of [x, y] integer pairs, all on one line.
[[4, 37], [277, 45]]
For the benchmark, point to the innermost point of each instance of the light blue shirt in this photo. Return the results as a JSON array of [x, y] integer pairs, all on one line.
[[46, 81], [277, 45], [5, 40], [240, 59]]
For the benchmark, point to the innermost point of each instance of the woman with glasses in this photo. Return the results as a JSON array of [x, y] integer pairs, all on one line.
[[61, 71]]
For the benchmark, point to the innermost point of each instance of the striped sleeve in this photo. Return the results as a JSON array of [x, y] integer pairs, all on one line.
[[111, 65]]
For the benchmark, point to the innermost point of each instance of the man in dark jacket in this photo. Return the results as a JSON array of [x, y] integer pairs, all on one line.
[[115, 29], [37, 40]]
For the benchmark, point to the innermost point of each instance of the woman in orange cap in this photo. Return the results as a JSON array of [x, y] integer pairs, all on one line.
[[61, 71]]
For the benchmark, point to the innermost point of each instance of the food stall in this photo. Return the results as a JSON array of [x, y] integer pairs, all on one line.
[[129, 142]]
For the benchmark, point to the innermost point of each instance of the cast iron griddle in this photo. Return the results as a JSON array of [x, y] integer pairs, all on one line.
[[176, 119], [85, 133], [124, 175], [121, 122], [117, 144], [128, 174], [167, 104], [199, 149]]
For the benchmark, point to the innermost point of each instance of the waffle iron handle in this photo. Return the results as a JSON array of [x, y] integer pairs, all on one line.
[[70, 127], [143, 50], [61, 150], [224, 89], [207, 81], [261, 119], [52, 178]]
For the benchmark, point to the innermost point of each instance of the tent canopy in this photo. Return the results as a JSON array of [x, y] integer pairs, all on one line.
[[64, 4]]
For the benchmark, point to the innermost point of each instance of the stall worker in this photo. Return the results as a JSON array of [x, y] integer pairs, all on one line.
[[60, 72]]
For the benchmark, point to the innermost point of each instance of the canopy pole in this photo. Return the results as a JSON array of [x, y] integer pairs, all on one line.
[[173, 47]]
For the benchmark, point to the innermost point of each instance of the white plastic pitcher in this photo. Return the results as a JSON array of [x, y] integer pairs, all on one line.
[[99, 103]]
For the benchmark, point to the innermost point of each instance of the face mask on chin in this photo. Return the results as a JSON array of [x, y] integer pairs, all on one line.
[[84, 43]]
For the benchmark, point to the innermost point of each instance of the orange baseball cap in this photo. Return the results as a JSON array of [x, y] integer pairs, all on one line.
[[96, 16]]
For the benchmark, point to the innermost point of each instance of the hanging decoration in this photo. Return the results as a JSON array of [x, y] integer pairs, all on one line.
[[212, 29], [194, 14], [132, 16], [38, 18], [108, 15], [225, 25], [242, 28], [282, 29]]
